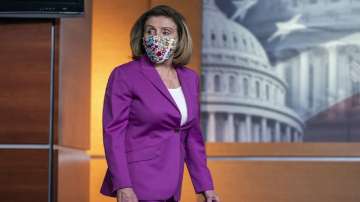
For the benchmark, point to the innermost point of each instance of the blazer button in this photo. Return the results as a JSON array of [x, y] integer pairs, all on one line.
[[177, 130]]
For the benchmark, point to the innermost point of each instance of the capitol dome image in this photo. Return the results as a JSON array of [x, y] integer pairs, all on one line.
[[243, 96]]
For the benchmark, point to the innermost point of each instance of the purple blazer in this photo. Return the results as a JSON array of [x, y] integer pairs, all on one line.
[[145, 146]]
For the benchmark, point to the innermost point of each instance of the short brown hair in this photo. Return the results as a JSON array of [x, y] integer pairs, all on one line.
[[183, 51]]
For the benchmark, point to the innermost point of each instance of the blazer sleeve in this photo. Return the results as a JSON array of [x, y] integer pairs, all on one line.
[[195, 159], [116, 108]]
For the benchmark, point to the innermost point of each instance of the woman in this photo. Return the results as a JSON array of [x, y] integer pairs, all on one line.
[[151, 115]]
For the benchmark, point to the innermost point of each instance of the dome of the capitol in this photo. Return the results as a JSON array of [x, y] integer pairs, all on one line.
[[237, 43], [243, 95]]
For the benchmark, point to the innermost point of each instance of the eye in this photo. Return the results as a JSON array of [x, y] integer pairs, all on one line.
[[150, 31], [166, 32]]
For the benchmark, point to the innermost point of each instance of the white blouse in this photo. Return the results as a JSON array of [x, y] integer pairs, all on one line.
[[179, 98]]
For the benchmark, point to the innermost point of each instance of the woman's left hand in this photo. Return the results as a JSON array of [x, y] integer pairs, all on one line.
[[211, 196]]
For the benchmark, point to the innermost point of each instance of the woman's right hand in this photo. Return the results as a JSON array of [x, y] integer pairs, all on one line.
[[126, 195]]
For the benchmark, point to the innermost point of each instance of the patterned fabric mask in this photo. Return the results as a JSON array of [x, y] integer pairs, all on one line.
[[159, 48]]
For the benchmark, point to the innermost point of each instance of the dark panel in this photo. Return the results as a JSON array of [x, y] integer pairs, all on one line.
[[23, 175], [24, 80]]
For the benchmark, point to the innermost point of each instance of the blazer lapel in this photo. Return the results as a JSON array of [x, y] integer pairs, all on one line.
[[149, 71]]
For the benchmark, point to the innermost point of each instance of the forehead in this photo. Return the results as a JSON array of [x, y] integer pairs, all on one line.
[[160, 22]]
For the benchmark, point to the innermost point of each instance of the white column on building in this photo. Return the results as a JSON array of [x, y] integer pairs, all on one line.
[[288, 134], [332, 74], [243, 133], [210, 82], [257, 132], [301, 136], [296, 136], [304, 79], [211, 131], [248, 124], [277, 132], [264, 131], [230, 131]]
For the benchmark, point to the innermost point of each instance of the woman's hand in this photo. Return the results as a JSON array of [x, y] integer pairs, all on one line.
[[126, 195], [211, 196]]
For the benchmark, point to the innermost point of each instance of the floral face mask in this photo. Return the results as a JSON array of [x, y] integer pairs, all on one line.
[[159, 48]]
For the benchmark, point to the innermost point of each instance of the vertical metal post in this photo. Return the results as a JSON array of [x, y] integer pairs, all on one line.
[[51, 114]]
